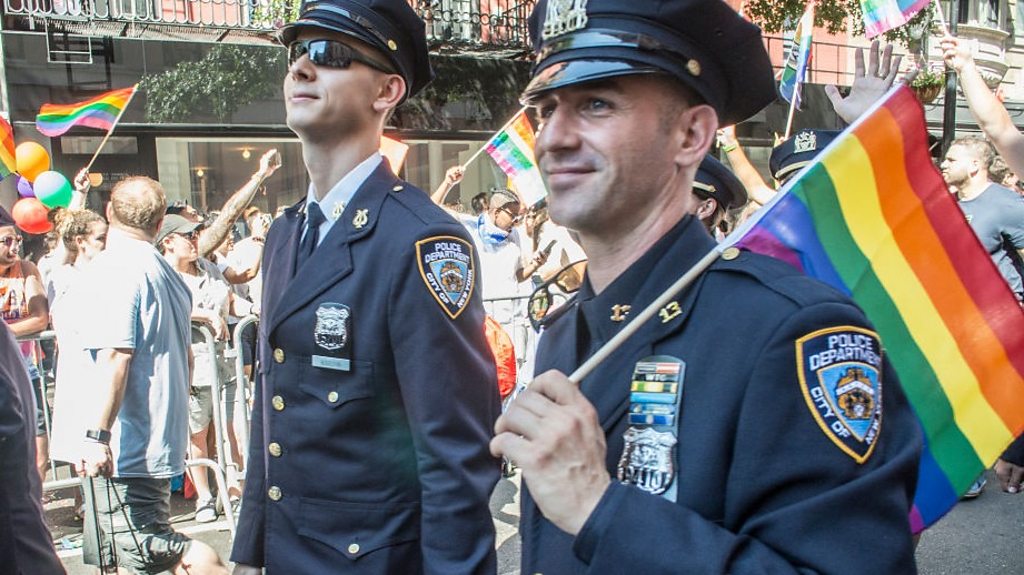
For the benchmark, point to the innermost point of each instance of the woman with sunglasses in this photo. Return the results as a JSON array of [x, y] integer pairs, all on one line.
[[212, 300]]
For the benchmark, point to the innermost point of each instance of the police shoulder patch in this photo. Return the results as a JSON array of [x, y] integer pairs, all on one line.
[[446, 266], [840, 373]]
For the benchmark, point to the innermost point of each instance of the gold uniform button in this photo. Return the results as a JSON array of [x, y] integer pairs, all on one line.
[[353, 548], [397, 188], [274, 449], [274, 493], [279, 355], [332, 397], [730, 254], [278, 402]]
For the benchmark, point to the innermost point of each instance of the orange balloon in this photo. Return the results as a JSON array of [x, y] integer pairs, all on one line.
[[31, 159], [30, 215]]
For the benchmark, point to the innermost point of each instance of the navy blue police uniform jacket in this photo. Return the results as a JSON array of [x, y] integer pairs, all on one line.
[[766, 479], [376, 396]]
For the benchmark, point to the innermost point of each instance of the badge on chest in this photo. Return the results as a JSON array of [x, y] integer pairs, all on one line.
[[332, 337], [648, 458]]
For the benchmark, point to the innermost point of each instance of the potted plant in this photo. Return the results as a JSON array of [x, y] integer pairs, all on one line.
[[928, 84]]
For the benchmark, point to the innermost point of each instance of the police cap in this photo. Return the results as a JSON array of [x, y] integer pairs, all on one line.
[[390, 26], [798, 151], [704, 44], [715, 181]]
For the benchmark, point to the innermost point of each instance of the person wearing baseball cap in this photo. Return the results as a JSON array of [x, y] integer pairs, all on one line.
[[739, 429], [377, 390]]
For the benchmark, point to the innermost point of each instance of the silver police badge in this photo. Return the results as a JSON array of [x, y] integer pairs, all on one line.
[[331, 332], [648, 459], [564, 16]]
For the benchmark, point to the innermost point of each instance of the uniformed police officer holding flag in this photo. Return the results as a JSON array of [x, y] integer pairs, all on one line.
[[754, 425], [377, 391]]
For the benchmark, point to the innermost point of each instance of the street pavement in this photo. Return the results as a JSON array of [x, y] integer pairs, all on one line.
[[979, 537]]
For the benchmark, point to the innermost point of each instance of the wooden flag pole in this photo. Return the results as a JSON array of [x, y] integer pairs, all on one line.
[[484, 147], [792, 109], [112, 126], [630, 328], [942, 19]]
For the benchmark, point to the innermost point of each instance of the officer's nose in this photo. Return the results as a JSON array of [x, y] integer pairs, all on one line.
[[302, 69], [558, 132]]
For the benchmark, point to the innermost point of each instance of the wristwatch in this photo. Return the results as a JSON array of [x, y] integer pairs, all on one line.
[[98, 435]]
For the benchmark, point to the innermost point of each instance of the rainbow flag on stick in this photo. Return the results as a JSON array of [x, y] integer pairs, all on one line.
[[8, 164], [512, 149], [880, 16], [795, 71], [873, 218], [101, 112]]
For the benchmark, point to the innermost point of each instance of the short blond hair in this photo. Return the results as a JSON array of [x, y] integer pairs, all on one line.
[[138, 202]]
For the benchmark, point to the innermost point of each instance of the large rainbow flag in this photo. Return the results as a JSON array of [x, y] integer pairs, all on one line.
[[873, 218], [512, 149], [880, 16], [795, 71], [101, 112], [8, 163]]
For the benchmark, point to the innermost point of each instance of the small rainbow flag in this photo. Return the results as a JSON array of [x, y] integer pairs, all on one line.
[[795, 71], [873, 218], [880, 16], [512, 149], [8, 163], [101, 112]]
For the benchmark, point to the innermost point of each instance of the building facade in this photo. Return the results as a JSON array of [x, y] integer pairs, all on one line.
[[210, 101]]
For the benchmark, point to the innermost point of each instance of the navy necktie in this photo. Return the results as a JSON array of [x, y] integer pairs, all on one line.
[[314, 217]]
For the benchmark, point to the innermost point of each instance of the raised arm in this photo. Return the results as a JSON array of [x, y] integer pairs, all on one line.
[[215, 234], [452, 177], [869, 84], [992, 117], [759, 191]]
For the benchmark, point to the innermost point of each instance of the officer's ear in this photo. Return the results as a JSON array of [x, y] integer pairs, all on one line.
[[392, 89], [698, 126]]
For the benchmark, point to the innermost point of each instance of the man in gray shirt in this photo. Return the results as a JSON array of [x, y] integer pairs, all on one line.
[[135, 329], [996, 214]]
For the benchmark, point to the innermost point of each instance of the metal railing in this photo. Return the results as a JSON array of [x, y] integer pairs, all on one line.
[[450, 23]]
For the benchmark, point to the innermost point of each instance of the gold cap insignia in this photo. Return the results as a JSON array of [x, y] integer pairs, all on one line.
[[693, 67], [564, 16], [392, 45]]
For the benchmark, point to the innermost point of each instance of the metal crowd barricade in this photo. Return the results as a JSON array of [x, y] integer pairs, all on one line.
[[224, 458], [243, 394]]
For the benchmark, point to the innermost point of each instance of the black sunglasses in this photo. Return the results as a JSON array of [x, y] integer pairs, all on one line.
[[331, 54], [555, 292]]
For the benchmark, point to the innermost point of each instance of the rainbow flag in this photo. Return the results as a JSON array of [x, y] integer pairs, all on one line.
[[795, 71], [101, 112], [873, 218], [880, 16], [8, 164], [512, 149]]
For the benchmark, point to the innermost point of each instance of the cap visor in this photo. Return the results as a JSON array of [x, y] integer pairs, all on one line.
[[571, 72]]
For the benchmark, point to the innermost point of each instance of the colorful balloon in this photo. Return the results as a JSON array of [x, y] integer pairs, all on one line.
[[53, 189], [25, 188], [31, 159], [30, 215]]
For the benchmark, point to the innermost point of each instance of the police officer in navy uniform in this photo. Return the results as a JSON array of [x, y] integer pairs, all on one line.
[[718, 190], [741, 429], [376, 392]]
